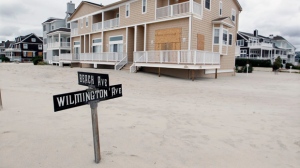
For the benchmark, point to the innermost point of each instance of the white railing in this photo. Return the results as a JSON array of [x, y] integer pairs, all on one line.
[[260, 44], [13, 49], [111, 23], [197, 8], [121, 63], [67, 57], [102, 57], [97, 26], [74, 31], [55, 58], [178, 57], [15, 58], [172, 10], [59, 44]]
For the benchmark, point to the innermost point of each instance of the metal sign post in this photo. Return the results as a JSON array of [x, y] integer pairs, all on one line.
[[247, 68], [99, 90]]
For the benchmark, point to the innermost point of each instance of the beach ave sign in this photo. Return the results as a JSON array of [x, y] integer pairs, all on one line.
[[94, 79], [79, 98], [99, 90]]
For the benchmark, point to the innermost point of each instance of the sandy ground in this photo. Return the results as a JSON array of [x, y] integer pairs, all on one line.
[[232, 122]]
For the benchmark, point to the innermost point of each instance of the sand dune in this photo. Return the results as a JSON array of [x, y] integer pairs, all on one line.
[[242, 121]]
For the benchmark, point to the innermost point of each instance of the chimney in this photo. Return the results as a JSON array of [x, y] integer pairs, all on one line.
[[255, 33], [271, 36], [70, 7]]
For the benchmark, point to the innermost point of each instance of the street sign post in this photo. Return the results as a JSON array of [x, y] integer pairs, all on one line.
[[99, 90]]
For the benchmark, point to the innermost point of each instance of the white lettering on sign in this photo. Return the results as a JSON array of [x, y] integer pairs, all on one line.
[[116, 91], [81, 97], [102, 82], [86, 79]]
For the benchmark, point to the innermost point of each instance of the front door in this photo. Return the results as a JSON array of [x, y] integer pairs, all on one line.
[[76, 51]]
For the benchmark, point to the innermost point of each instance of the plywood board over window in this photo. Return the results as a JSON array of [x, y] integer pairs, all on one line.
[[29, 54], [168, 39], [200, 41]]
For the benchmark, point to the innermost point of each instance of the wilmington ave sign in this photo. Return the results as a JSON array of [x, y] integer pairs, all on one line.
[[99, 90]]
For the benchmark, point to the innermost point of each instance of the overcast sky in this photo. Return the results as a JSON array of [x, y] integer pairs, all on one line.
[[278, 17]]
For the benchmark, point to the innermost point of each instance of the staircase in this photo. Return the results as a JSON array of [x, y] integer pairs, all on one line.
[[127, 66]]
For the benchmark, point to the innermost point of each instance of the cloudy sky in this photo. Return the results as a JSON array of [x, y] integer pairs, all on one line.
[[278, 17]]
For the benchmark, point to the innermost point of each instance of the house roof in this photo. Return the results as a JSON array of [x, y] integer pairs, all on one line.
[[224, 20], [60, 29], [252, 35], [51, 19], [278, 38], [100, 6], [221, 18], [239, 5]]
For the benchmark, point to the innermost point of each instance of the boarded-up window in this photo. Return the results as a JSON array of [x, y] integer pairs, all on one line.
[[200, 42], [168, 39]]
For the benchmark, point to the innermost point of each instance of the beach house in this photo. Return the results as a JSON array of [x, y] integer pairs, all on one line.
[[56, 36], [183, 38], [24, 48], [255, 46]]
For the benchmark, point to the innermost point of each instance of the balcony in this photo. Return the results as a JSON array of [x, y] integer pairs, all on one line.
[[260, 45], [111, 23], [59, 45], [181, 59], [178, 9], [97, 27], [13, 50]]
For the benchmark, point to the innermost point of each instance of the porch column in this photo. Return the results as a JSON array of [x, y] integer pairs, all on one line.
[[84, 49], [261, 53], [126, 48], [190, 33], [90, 42], [102, 23], [59, 41], [145, 36], [191, 6], [135, 37], [221, 38]]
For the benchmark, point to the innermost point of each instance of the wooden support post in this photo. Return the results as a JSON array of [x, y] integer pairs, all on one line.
[[234, 71], [189, 74], [216, 74], [193, 74], [159, 72], [94, 105], [1, 107]]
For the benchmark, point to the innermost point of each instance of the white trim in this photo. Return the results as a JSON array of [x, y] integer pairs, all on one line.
[[84, 49], [220, 8], [212, 71], [190, 33], [229, 38], [233, 12], [135, 37], [221, 39], [145, 36], [209, 5], [146, 2], [126, 49], [213, 37], [155, 10], [214, 28], [127, 5]]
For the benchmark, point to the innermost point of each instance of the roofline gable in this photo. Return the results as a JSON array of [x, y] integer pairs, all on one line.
[[80, 5]]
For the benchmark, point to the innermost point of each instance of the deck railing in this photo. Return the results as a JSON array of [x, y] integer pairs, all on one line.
[[97, 26], [102, 57], [178, 57], [59, 44], [121, 63], [111, 23], [262, 44], [179, 8], [55, 58]]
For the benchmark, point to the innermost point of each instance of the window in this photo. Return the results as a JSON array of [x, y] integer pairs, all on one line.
[[233, 15], [240, 43], [25, 46], [44, 27], [117, 15], [76, 43], [207, 4], [230, 39], [216, 36], [116, 38], [220, 8], [40, 47], [127, 10], [243, 53], [33, 40], [87, 21], [225, 36], [24, 53], [33, 54], [144, 6], [52, 27], [97, 45]]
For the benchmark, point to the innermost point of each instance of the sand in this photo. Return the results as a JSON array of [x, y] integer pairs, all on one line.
[[160, 122]]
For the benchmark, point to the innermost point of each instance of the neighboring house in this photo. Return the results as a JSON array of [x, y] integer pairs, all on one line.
[[56, 36], [25, 47], [179, 38], [255, 46], [4, 45]]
